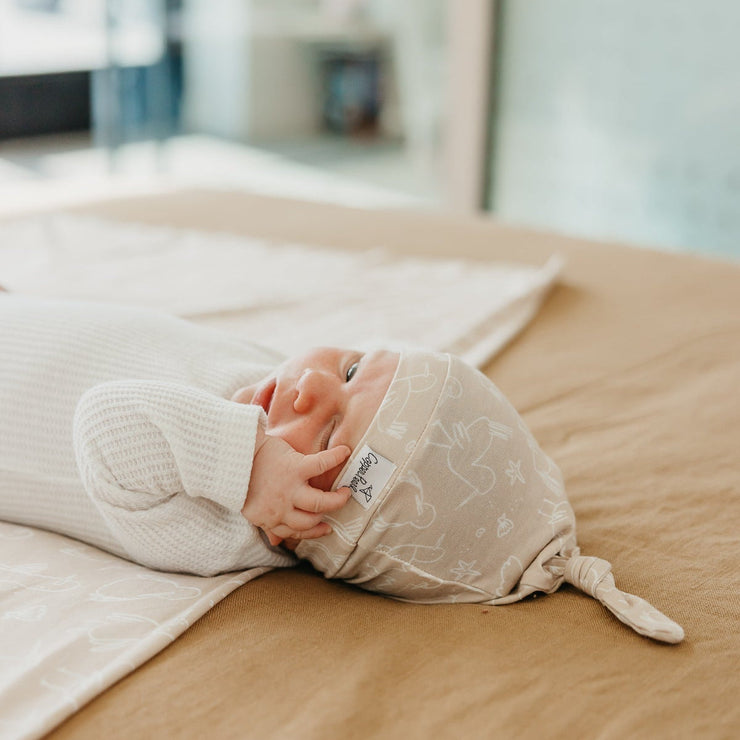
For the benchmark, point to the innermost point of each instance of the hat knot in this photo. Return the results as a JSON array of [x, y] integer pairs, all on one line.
[[588, 573], [594, 577]]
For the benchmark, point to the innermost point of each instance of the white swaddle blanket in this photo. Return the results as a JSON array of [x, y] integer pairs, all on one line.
[[74, 619]]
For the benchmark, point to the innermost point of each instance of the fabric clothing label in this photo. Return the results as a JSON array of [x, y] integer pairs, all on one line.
[[367, 476]]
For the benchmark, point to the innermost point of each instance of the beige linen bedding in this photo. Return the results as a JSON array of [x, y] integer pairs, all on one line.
[[629, 380], [76, 619]]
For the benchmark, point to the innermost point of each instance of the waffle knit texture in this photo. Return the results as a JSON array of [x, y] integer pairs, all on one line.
[[116, 429]]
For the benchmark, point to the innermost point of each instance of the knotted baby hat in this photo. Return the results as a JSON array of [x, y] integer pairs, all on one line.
[[454, 501]]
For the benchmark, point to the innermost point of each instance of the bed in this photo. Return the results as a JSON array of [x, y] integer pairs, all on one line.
[[628, 377]]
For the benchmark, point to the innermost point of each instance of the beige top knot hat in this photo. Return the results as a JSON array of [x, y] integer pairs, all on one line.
[[454, 501]]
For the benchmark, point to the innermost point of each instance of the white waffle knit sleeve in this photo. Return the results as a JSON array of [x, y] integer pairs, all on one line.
[[168, 467]]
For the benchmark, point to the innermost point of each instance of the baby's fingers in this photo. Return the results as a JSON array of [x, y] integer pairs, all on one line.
[[321, 462], [319, 530], [272, 538], [300, 521], [319, 502]]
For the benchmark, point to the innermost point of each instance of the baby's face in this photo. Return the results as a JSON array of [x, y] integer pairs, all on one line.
[[323, 398]]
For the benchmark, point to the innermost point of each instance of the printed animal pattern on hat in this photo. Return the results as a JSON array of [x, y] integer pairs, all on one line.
[[505, 525], [514, 472], [390, 415], [509, 573], [555, 512], [415, 553], [475, 511], [543, 465], [426, 513], [467, 446]]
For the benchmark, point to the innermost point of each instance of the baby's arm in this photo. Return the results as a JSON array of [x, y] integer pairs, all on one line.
[[168, 468], [281, 499]]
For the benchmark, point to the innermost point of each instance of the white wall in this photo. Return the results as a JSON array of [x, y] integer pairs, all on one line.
[[621, 119]]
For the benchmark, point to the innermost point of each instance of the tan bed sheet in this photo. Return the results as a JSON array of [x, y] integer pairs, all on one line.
[[629, 379]]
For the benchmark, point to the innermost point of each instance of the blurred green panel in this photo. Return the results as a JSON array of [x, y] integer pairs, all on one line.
[[619, 120]]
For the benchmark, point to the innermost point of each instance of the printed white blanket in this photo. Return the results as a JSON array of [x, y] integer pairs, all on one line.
[[73, 619], [288, 296]]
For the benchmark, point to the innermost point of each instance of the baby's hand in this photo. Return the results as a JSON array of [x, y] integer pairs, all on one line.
[[280, 498]]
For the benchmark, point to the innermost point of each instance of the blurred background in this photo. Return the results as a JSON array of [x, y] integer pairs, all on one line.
[[609, 119]]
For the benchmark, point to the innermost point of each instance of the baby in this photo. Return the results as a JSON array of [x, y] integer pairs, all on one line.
[[441, 494], [117, 427]]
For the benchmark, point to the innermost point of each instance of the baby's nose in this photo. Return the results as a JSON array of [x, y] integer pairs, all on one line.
[[314, 388]]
